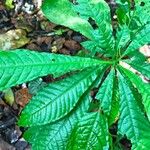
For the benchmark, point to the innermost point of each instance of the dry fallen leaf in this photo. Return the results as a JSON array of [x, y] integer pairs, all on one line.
[[22, 97], [13, 39], [72, 45]]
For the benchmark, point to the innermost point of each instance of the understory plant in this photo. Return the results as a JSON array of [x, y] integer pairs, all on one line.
[[61, 116]]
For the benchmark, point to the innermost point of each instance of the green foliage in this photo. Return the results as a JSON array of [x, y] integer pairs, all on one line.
[[91, 132], [107, 88], [91, 9], [143, 88], [131, 118], [63, 96], [36, 85], [21, 66], [140, 38], [55, 9], [58, 115], [55, 136]]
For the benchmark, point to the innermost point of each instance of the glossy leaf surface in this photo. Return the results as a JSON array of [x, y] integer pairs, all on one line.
[[20, 66], [91, 132], [57, 99], [131, 118]]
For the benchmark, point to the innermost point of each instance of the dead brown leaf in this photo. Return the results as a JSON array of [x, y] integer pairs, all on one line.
[[22, 97], [72, 45], [13, 39]]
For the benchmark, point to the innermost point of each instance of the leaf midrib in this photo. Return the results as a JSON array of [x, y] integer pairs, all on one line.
[[66, 91], [131, 114], [60, 63]]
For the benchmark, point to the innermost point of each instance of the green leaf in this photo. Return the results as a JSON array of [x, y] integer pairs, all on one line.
[[61, 12], [141, 37], [136, 57], [91, 132], [55, 136], [142, 6], [122, 12], [137, 95], [36, 85], [57, 100], [99, 11], [92, 46], [105, 92], [132, 122], [105, 38], [114, 112], [65, 14], [134, 14], [142, 68], [122, 37], [20, 66], [143, 88]]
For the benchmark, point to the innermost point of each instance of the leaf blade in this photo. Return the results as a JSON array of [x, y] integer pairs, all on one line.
[[114, 112], [62, 97], [141, 37], [131, 118], [99, 11], [20, 66], [55, 136], [142, 87], [107, 86], [144, 68], [61, 12], [91, 132]]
